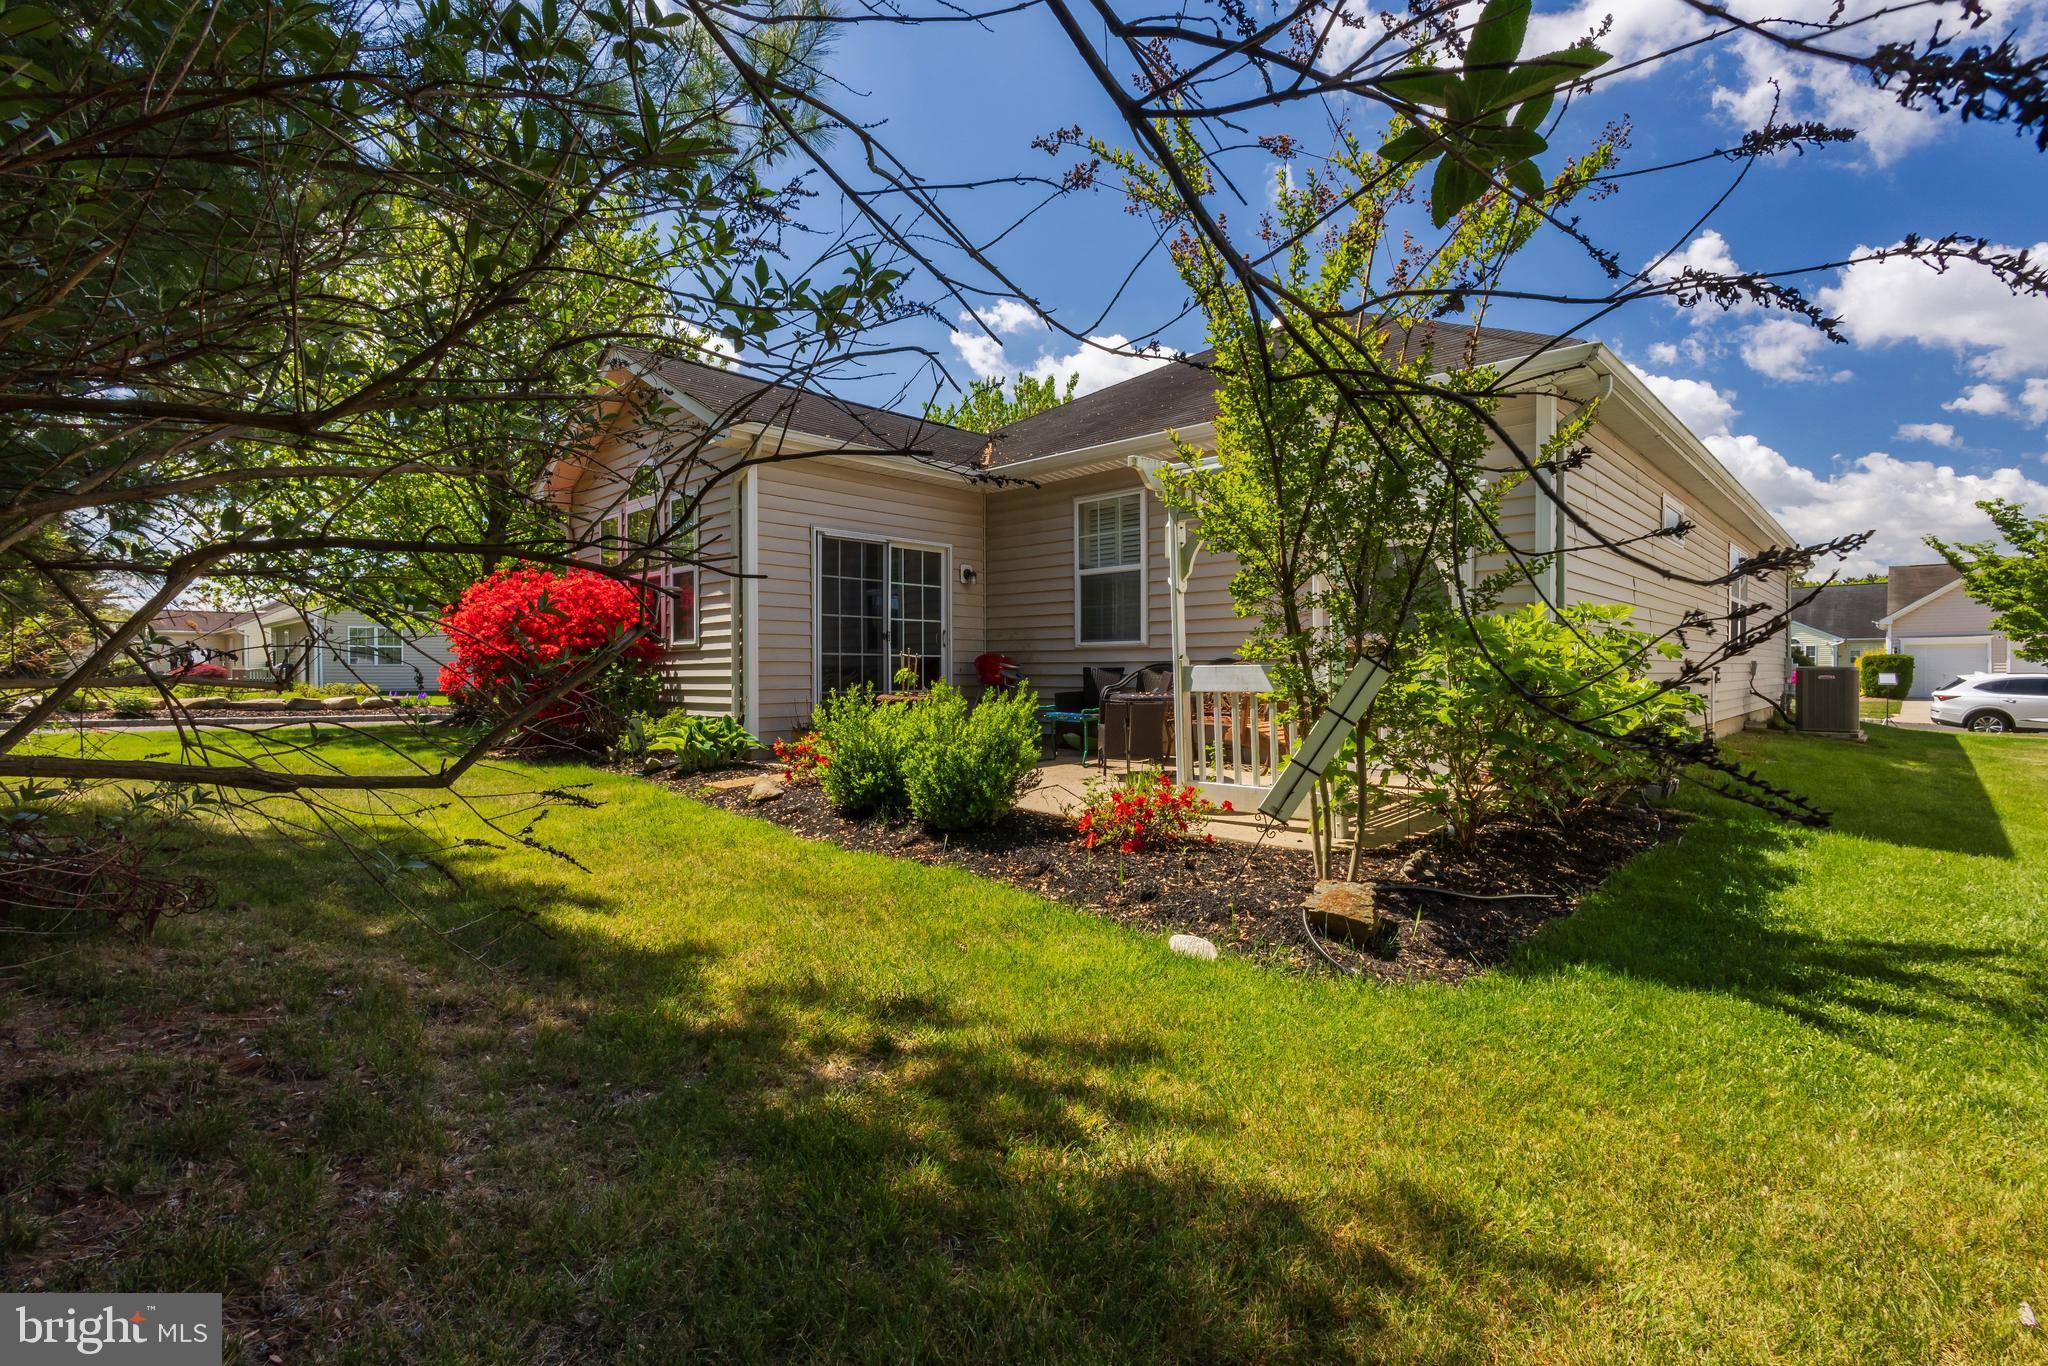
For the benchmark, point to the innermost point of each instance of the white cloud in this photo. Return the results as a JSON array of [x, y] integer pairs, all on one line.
[[1108, 360], [1708, 252], [1786, 349], [1761, 71], [1699, 405], [1901, 500], [1965, 310], [1985, 400], [983, 354], [2034, 398], [1933, 433], [1664, 353], [1351, 33], [1100, 361], [1632, 31], [1009, 316]]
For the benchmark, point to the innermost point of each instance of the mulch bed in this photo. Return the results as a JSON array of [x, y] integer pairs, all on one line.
[[1247, 899]]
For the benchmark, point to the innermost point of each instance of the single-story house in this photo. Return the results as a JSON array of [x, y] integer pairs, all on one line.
[[1948, 632], [895, 539], [303, 644], [1839, 624], [203, 635]]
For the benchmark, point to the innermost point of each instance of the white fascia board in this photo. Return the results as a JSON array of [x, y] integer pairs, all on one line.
[[1703, 463], [1061, 464]]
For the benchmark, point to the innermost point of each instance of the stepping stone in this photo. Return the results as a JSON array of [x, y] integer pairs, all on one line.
[[1192, 946]]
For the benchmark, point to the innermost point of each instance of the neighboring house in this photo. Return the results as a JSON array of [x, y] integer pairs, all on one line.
[[311, 645], [204, 636], [898, 538], [1948, 632], [1839, 624]]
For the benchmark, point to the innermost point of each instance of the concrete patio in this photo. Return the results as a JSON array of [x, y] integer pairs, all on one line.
[[1062, 790]]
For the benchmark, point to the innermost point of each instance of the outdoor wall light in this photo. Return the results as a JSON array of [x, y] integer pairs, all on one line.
[[967, 574]]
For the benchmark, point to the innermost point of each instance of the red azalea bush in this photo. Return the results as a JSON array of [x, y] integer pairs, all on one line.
[[199, 673], [1144, 811], [516, 633], [801, 759]]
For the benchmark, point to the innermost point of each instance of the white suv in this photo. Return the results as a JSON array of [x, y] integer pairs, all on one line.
[[1993, 702]]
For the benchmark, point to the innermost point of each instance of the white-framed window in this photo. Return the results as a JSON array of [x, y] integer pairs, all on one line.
[[1738, 589], [652, 532], [679, 602], [611, 539], [1109, 569], [374, 645], [1674, 513]]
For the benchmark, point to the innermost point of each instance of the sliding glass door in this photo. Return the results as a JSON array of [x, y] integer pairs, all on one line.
[[881, 608]]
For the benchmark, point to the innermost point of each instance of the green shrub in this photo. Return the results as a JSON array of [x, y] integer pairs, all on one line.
[[698, 742], [866, 741], [1874, 664], [333, 690], [1457, 730], [130, 705], [963, 768]]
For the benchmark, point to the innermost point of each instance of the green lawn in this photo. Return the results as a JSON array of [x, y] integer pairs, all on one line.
[[1772, 1094]]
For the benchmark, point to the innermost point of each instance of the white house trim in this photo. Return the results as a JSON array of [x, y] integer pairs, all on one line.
[[1144, 567]]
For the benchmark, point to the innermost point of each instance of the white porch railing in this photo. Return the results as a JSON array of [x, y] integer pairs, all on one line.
[[1229, 737]]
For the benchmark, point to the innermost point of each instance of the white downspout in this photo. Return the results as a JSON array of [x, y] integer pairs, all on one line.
[[1549, 497], [746, 607]]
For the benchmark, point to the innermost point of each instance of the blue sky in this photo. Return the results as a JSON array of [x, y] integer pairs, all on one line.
[[1941, 397]]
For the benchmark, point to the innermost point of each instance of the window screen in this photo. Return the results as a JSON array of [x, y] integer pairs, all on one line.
[[1110, 553]]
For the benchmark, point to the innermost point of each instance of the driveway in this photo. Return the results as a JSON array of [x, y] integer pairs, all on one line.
[[1912, 715]]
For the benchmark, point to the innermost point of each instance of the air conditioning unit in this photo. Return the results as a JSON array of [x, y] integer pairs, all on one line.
[[1829, 699]]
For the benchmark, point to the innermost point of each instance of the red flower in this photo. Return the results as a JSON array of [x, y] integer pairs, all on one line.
[[516, 632]]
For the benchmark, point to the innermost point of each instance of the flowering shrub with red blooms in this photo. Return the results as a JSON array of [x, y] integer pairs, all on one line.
[[515, 633], [1144, 811], [801, 759], [200, 671]]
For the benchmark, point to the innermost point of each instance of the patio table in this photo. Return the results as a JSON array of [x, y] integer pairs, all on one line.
[[1084, 718]]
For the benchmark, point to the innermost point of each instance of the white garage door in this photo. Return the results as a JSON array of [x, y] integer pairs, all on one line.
[[1934, 665]]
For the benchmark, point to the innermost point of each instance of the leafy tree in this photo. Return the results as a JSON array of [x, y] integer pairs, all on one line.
[[2014, 585], [986, 408], [1355, 520], [296, 296]]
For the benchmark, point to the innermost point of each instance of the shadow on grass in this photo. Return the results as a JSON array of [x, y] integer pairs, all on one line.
[[1711, 912], [662, 1148], [1918, 789]]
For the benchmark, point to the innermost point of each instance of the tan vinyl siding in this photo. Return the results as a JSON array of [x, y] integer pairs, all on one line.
[[1954, 613], [1031, 600], [797, 500], [1622, 497], [696, 677]]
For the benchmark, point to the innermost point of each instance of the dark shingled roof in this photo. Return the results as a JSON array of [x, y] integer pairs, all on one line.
[[1908, 583], [738, 398], [1180, 393], [1846, 610]]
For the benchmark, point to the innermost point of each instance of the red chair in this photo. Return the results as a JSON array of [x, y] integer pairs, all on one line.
[[995, 671]]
